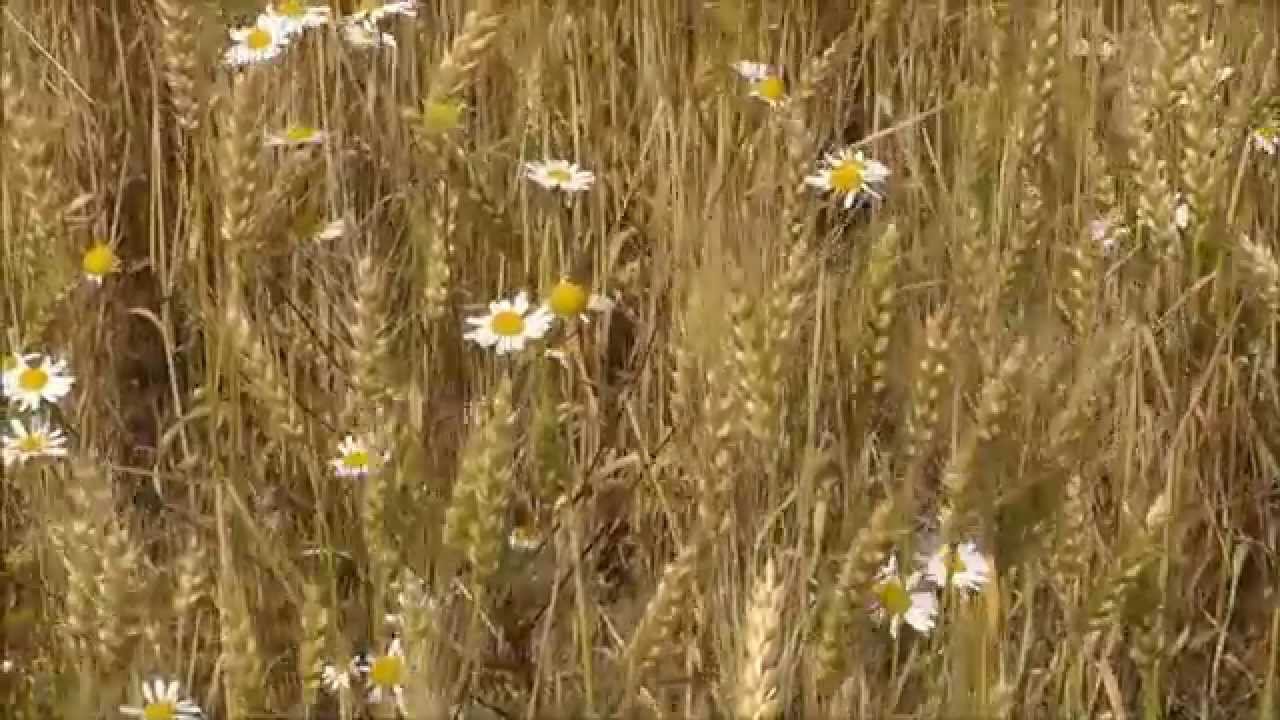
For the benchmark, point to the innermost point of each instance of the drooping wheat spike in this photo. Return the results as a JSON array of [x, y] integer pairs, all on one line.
[[239, 173], [764, 331], [178, 50], [1080, 299], [1155, 194], [118, 624], [758, 679], [927, 388], [426, 696], [260, 371], [655, 638], [374, 527], [1071, 559], [1175, 45], [862, 561], [433, 226], [976, 264], [191, 581], [1263, 272], [80, 541], [550, 449], [1200, 152], [1080, 401], [963, 496], [475, 520], [720, 413], [1143, 551], [244, 679], [1029, 224], [443, 102], [989, 129], [1036, 111], [314, 642], [479, 28], [367, 355], [878, 297], [33, 124]]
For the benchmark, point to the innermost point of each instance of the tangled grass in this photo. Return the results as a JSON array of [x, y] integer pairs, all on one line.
[[922, 366]]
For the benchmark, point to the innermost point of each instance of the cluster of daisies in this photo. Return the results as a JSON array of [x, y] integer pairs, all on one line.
[[846, 173], [382, 676], [507, 327], [30, 384], [283, 21], [913, 599]]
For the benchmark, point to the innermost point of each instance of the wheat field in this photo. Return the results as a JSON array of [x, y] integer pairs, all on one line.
[[744, 359]]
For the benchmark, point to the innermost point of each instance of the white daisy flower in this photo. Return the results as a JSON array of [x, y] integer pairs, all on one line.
[[295, 16], [373, 11], [356, 458], [1106, 232], [562, 174], [29, 384], [1181, 212], [297, 134], [851, 174], [1266, 138], [257, 43], [163, 702], [568, 299], [752, 70], [365, 35], [898, 601], [335, 680], [509, 325], [332, 230], [29, 443], [959, 566], [766, 81], [386, 674]]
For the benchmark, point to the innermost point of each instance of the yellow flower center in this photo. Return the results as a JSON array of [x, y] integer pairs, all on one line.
[[770, 88], [508, 323], [847, 176], [441, 116], [387, 671], [568, 299], [356, 459], [99, 260], [33, 443], [33, 379], [294, 9], [560, 175], [163, 710], [258, 39], [300, 133], [894, 597], [1269, 132]]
